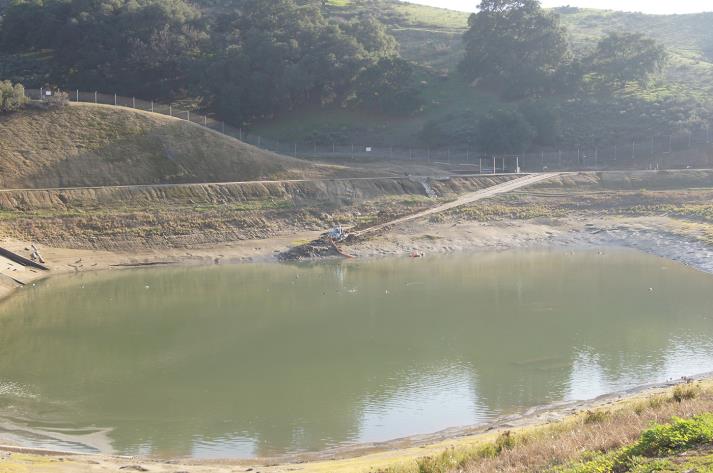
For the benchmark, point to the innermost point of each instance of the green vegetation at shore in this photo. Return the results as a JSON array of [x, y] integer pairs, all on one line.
[[667, 432]]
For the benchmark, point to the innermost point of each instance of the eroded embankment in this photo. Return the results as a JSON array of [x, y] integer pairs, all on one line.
[[182, 215]]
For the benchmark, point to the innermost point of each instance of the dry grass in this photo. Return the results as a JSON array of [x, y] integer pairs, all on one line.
[[544, 448], [88, 145]]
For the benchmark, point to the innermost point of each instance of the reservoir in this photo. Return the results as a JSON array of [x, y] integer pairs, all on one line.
[[268, 359]]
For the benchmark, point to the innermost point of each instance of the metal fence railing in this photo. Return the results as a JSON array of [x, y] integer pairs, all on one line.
[[684, 149]]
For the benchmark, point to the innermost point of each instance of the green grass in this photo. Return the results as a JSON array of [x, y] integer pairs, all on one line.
[[662, 440]]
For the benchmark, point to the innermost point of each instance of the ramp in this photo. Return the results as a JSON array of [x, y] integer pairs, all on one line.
[[465, 200]]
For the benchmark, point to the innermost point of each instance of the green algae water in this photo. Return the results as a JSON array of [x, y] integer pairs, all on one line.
[[263, 360]]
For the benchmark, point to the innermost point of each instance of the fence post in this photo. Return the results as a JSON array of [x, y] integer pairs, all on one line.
[[152, 106], [41, 94], [205, 120], [188, 115], [115, 99], [334, 148], [480, 165], [241, 134], [133, 102], [95, 96], [222, 127], [77, 95], [494, 165], [295, 150], [170, 110]]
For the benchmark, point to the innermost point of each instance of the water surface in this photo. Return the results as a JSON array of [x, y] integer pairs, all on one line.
[[260, 360]]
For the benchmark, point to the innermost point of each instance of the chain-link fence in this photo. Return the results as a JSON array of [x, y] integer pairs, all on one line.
[[680, 150]]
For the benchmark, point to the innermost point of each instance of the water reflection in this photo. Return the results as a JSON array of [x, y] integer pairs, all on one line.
[[267, 359]]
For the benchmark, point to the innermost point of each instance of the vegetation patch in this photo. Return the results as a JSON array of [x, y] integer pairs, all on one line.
[[638, 436]]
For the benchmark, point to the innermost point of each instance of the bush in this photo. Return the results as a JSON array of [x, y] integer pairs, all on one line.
[[679, 435], [12, 97], [57, 100], [685, 392]]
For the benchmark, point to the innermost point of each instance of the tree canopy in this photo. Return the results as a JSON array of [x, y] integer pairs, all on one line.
[[273, 55], [138, 46], [386, 87], [621, 58], [514, 46], [505, 132], [257, 59]]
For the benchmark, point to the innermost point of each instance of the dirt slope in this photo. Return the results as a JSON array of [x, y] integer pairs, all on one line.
[[87, 145]]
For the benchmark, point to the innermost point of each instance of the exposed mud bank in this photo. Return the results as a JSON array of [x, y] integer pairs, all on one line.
[[337, 191]]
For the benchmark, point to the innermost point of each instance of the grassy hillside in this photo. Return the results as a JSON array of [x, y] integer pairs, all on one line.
[[431, 37], [87, 145]]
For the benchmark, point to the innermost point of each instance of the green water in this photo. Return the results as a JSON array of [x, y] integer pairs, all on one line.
[[253, 360]]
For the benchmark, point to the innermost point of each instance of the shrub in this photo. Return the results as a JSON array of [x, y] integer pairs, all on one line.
[[679, 435], [57, 100], [12, 97], [685, 392]]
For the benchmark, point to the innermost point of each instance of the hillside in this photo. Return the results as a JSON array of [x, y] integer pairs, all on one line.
[[678, 102], [430, 37], [87, 145]]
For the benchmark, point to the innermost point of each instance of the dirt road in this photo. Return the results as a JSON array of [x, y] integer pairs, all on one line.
[[465, 200]]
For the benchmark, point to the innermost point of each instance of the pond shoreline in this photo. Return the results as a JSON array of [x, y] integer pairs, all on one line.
[[352, 458], [659, 236]]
